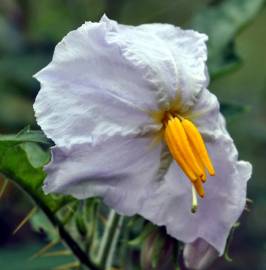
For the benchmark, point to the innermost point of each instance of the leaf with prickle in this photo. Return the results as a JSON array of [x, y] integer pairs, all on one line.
[[22, 160]]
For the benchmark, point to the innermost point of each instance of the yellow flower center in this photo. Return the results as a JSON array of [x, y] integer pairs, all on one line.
[[187, 147]]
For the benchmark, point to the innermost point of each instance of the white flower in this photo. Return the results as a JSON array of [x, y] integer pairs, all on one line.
[[114, 99]]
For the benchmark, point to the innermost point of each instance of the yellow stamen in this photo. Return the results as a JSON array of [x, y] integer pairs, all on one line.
[[189, 151], [199, 188], [204, 176], [182, 142], [198, 143], [177, 155]]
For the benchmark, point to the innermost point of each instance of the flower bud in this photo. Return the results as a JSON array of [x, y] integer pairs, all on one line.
[[199, 255], [158, 251]]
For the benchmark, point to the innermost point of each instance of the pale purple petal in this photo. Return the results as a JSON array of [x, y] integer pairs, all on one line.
[[199, 255], [89, 89], [218, 211], [172, 59], [189, 53], [121, 170], [106, 78], [206, 115], [152, 56]]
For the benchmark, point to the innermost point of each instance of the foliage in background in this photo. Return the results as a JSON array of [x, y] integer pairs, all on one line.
[[222, 22]]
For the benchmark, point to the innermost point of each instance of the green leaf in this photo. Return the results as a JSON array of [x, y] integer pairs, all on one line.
[[25, 135], [40, 222], [22, 160], [26, 175], [36, 154], [222, 22]]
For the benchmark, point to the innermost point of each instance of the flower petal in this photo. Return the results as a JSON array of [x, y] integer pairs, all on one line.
[[89, 89], [206, 115], [152, 56], [189, 52], [121, 170], [106, 78], [218, 211], [172, 59]]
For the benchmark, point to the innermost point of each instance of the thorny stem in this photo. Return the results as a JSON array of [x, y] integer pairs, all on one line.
[[69, 241], [111, 232], [108, 242], [25, 220], [66, 237]]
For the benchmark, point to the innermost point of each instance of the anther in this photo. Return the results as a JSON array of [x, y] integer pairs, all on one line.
[[184, 146], [204, 176], [199, 145], [188, 149], [199, 188], [178, 156]]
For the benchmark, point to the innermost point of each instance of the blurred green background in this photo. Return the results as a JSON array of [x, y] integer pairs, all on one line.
[[29, 30]]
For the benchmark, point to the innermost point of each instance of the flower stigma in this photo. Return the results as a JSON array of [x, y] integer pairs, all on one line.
[[188, 149], [194, 205]]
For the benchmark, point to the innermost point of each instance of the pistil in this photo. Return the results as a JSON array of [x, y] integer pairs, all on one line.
[[194, 205]]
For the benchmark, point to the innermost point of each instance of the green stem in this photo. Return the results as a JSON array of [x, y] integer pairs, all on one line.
[[109, 236], [112, 250], [69, 241]]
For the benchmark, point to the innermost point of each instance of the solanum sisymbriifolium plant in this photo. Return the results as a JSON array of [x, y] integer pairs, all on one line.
[[134, 123]]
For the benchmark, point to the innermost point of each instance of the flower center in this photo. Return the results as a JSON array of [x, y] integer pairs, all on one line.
[[187, 147]]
